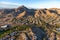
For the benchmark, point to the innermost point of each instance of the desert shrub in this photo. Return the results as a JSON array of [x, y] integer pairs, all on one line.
[[15, 28], [57, 25]]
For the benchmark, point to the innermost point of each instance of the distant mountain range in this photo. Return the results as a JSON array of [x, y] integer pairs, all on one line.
[[51, 16]]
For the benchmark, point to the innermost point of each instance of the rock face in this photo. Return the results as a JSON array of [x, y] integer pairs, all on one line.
[[21, 14], [52, 36], [32, 34], [22, 36]]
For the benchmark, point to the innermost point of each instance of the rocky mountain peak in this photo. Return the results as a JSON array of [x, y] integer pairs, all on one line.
[[22, 7]]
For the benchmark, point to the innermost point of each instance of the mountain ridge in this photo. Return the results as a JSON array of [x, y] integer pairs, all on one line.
[[21, 12], [34, 24]]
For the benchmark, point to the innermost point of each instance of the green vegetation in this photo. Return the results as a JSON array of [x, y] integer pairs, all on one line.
[[16, 28], [57, 25], [44, 26]]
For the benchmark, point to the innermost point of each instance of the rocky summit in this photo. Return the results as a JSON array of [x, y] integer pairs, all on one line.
[[30, 24]]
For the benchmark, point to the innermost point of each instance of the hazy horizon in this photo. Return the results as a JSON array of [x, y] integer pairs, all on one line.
[[30, 3]]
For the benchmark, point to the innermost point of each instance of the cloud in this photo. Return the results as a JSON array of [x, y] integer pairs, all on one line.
[[9, 3], [4, 4], [50, 4]]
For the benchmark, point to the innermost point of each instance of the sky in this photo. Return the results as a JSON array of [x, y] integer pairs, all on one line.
[[30, 3]]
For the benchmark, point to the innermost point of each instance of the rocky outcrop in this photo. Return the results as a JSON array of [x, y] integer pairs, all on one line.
[[32, 34], [22, 36], [21, 14]]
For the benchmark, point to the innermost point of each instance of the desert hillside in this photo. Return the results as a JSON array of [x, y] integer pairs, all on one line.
[[41, 23]]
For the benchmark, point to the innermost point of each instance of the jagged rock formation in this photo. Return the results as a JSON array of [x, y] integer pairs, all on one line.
[[21, 14], [32, 34]]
